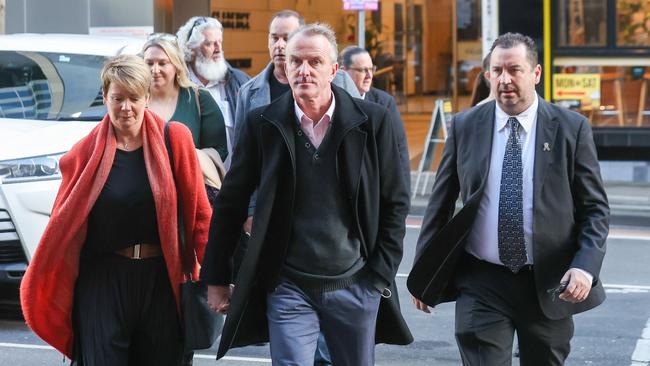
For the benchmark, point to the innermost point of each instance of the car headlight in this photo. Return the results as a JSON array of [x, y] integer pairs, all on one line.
[[30, 169]]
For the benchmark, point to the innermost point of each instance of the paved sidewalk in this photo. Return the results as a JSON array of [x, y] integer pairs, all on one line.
[[629, 202]]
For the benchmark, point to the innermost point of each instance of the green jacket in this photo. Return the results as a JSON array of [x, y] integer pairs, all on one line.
[[204, 119]]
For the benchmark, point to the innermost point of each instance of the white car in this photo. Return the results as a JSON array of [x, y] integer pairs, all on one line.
[[50, 97]]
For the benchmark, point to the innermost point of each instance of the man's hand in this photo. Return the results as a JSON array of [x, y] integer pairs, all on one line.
[[248, 225], [420, 305], [578, 288], [219, 298]]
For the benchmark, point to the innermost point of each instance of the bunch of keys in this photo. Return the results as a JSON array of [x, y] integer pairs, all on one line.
[[557, 290]]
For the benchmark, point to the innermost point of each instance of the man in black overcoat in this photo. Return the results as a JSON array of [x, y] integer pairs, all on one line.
[[326, 241]]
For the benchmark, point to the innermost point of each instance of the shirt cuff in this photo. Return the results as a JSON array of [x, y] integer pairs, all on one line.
[[590, 277]]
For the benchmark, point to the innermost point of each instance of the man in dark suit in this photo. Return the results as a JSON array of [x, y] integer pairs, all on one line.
[[534, 216], [326, 241], [357, 62]]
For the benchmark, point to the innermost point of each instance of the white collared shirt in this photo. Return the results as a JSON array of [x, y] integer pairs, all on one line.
[[315, 131], [483, 240], [218, 91]]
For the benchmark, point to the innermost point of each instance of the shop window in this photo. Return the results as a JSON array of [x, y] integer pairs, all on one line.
[[633, 23], [583, 23], [609, 95]]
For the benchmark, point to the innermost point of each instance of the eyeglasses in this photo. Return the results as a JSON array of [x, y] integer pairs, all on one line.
[[164, 36], [197, 22], [364, 70]]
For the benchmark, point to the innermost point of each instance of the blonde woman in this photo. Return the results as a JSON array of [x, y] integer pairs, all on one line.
[[175, 98]]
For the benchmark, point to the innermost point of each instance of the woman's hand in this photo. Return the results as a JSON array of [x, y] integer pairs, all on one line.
[[219, 298]]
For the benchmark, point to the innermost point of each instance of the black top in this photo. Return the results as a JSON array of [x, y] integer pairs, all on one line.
[[125, 212], [277, 88], [324, 250]]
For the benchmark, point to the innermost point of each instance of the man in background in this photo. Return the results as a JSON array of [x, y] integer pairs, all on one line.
[[201, 40], [357, 62]]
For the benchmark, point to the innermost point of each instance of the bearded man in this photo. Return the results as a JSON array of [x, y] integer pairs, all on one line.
[[201, 40]]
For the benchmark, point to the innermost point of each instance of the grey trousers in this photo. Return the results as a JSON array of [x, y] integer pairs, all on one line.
[[347, 317]]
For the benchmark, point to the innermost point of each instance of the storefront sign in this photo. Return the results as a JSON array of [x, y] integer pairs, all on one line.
[[582, 87], [233, 19], [372, 5]]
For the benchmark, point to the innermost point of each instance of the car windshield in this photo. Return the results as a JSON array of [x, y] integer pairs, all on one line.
[[50, 86]]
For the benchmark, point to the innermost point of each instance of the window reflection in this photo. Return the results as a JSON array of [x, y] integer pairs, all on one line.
[[50, 86], [622, 97], [633, 23], [582, 23]]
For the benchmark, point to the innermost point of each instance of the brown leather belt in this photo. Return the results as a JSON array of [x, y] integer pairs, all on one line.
[[140, 251]]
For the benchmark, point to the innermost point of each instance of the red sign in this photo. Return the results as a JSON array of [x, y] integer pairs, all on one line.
[[371, 5], [561, 92]]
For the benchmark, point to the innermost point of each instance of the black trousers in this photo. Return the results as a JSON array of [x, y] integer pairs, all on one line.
[[492, 304], [125, 313]]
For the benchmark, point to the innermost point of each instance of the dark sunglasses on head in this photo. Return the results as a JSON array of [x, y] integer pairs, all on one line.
[[197, 22]]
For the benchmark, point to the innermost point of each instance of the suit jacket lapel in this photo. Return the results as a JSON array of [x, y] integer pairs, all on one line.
[[483, 136], [546, 130]]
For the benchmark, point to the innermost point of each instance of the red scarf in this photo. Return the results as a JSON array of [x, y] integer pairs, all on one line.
[[47, 290]]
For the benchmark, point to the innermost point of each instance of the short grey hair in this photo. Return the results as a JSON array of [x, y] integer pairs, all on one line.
[[190, 35], [318, 29], [345, 58]]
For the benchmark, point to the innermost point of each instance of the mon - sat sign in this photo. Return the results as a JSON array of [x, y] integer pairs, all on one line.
[[361, 5], [583, 87]]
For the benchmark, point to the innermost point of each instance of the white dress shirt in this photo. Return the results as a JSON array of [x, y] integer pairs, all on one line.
[[483, 240]]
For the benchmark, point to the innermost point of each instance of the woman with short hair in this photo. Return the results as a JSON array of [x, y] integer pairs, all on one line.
[[104, 284]]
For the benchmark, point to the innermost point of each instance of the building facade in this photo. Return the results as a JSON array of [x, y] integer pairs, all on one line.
[[594, 53]]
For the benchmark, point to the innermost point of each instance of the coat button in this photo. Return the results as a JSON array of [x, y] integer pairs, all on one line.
[[307, 145], [316, 156]]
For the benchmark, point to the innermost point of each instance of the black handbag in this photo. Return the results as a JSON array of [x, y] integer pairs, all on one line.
[[201, 325]]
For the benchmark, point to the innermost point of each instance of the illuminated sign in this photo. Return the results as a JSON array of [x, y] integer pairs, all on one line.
[[372, 5], [583, 87]]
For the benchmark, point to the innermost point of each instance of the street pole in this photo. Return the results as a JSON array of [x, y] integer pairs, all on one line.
[[362, 29], [2, 16]]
